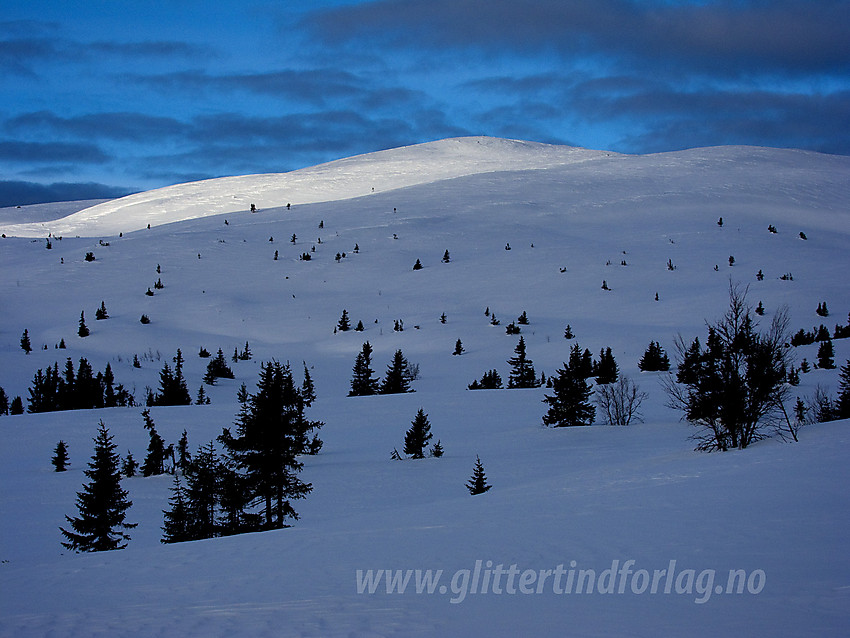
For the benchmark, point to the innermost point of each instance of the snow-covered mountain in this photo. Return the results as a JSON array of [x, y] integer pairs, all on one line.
[[571, 218]]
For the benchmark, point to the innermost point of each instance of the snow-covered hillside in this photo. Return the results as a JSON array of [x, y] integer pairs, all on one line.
[[338, 180], [571, 218]]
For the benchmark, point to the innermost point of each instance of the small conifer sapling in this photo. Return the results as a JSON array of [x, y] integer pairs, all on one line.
[[60, 457], [477, 483]]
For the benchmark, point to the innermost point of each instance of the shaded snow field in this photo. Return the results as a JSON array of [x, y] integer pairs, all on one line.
[[576, 499]]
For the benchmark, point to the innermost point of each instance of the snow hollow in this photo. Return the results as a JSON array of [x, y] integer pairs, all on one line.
[[586, 531]]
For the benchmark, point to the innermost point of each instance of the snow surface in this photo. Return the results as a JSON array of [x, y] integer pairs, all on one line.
[[591, 495]]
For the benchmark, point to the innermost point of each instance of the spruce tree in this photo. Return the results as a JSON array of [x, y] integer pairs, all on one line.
[[184, 457], [217, 368], [154, 463], [395, 381], [417, 436], [581, 363], [26, 345], [102, 503], [203, 493], [88, 392], [362, 381], [60, 457], [271, 431], [4, 402], [129, 467], [458, 348], [446, 257], [234, 496], [83, 330], [842, 403], [110, 399], [101, 313], [308, 390], [176, 519], [826, 354], [478, 481], [569, 405], [522, 369], [202, 398], [344, 323], [245, 355], [654, 359], [172, 385], [606, 368]]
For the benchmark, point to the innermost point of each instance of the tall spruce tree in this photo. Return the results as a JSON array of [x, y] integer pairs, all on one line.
[[522, 369], [271, 432], [581, 363], [842, 404], [396, 381], [826, 354], [172, 385], [569, 404], [154, 463], [416, 438], [203, 493], [102, 503], [176, 519], [308, 390], [184, 456], [362, 381]]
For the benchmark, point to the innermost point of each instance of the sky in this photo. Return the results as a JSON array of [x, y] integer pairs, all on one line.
[[106, 97]]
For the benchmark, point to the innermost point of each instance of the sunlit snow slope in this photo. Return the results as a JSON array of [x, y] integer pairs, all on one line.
[[341, 179]]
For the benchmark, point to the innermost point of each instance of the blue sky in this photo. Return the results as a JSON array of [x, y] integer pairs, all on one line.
[[102, 98]]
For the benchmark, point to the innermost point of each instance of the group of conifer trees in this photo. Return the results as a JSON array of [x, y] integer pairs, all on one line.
[[52, 390], [400, 373], [252, 484], [249, 486]]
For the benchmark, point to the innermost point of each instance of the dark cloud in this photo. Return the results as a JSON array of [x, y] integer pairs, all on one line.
[[313, 86], [14, 193], [318, 88], [18, 55], [724, 37], [114, 126], [148, 49], [285, 142], [670, 119], [22, 55], [19, 151]]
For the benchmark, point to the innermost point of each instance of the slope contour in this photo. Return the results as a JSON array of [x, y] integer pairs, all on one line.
[[338, 180]]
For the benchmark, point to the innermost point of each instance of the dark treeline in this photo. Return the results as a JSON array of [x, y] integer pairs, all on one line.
[[83, 389]]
